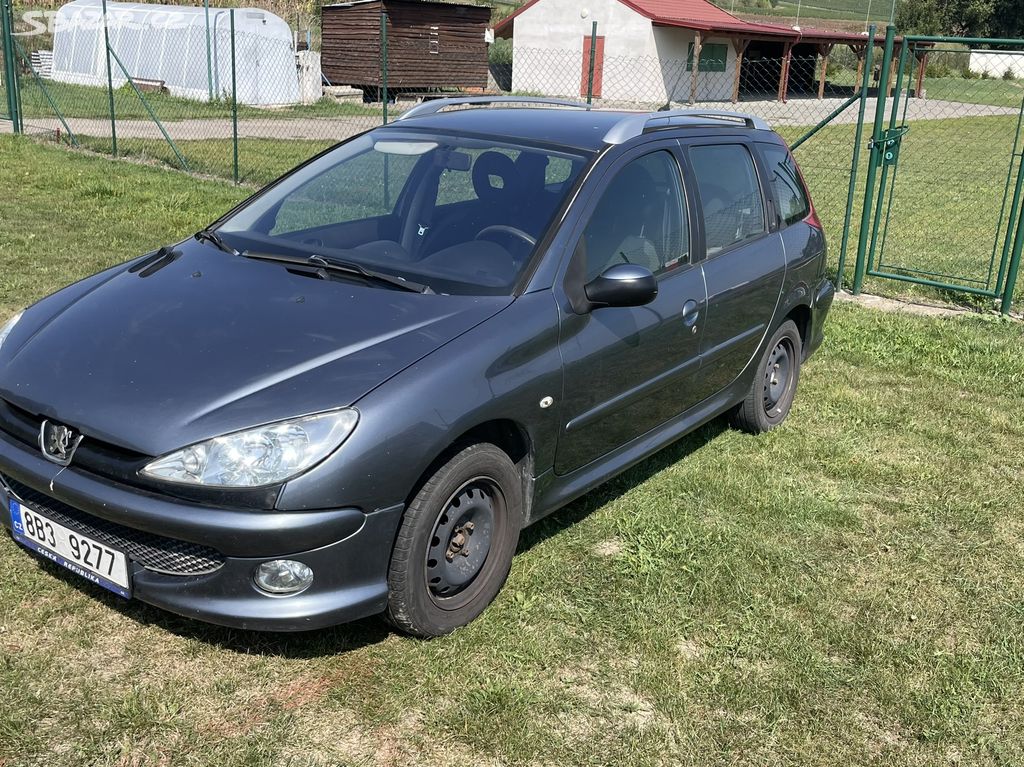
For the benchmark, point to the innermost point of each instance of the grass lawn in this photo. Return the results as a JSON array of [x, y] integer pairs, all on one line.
[[260, 161], [88, 101], [845, 590]]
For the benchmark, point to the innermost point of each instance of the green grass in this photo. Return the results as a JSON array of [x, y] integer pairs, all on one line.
[[852, 10], [260, 161], [995, 92], [92, 102], [844, 590]]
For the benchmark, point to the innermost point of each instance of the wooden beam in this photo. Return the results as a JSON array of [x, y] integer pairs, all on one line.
[[861, 54], [784, 73], [824, 51], [896, 53], [695, 71], [741, 48], [922, 67]]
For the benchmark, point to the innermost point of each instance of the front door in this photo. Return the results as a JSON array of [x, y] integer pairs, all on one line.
[[630, 369]]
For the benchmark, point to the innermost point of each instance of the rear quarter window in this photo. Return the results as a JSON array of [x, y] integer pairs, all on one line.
[[790, 195]]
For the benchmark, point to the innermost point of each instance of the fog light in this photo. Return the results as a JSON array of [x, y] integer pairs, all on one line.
[[283, 576]]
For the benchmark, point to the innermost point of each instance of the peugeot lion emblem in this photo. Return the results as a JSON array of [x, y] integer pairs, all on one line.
[[58, 442]]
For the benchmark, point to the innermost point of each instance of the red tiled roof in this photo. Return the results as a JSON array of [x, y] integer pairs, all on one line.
[[707, 17]]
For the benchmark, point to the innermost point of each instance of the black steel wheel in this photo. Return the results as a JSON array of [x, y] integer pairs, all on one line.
[[773, 390], [455, 544]]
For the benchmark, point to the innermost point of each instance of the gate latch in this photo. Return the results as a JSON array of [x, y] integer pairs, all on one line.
[[889, 145]]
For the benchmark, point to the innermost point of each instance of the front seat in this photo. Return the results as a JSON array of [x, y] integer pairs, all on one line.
[[628, 218]]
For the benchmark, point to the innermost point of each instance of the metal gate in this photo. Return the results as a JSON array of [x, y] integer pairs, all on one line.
[[943, 198]]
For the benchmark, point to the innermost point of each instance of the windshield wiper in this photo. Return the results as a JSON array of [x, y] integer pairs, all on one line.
[[344, 267], [350, 267], [210, 236]]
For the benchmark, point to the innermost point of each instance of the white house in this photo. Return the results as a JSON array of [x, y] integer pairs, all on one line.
[[998, 63], [644, 51]]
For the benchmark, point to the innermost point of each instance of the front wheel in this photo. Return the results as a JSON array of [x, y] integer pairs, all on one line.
[[771, 394], [455, 544]]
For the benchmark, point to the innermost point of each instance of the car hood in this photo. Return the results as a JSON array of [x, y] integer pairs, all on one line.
[[212, 343]]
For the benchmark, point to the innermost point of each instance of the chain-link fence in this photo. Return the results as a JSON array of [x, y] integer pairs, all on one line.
[[229, 102]]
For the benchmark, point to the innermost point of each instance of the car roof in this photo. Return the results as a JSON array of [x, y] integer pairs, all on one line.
[[578, 128]]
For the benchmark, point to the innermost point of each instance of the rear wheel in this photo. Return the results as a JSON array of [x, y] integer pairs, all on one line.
[[772, 393], [455, 544]]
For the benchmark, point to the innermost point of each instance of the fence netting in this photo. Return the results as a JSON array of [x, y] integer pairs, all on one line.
[[255, 111]]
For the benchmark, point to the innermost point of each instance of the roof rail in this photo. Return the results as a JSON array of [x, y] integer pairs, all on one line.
[[638, 124], [435, 106]]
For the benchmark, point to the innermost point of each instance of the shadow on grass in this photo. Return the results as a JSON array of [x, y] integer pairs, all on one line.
[[603, 494], [338, 640]]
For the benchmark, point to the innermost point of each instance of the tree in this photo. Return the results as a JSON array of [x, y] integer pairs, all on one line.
[[922, 17], [1007, 19], [968, 18]]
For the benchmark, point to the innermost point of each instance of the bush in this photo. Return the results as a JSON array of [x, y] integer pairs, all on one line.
[[500, 52], [1008, 74]]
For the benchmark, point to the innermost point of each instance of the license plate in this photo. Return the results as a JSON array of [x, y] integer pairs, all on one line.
[[82, 555]]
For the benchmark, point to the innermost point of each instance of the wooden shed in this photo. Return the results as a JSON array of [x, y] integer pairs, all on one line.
[[429, 44]]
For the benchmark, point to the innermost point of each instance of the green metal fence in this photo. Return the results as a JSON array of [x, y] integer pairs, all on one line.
[[942, 199], [9, 104]]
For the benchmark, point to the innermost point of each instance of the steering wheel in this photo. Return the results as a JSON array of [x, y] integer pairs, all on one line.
[[503, 229]]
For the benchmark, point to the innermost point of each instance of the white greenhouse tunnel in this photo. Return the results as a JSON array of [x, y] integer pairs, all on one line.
[[168, 43]]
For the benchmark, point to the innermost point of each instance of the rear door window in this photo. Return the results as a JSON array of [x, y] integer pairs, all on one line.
[[730, 195], [790, 195]]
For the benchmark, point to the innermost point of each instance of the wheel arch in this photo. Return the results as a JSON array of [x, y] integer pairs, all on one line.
[[801, 317], [510, 436]]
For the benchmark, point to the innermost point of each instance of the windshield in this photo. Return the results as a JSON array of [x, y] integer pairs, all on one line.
[[457, 214]]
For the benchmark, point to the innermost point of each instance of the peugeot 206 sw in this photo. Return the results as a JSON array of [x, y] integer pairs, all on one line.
[[351, 393]]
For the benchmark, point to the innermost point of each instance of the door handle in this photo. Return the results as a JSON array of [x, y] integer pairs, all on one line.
[[691, 312]]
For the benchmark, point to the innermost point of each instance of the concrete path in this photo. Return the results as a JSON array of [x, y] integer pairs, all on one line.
[[796, 112]]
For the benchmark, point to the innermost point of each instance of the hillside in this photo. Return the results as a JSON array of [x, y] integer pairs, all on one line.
[[831, 10]]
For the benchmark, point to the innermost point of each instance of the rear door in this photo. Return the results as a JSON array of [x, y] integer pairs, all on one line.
[[630, 369], [745, 263], [802, 235]]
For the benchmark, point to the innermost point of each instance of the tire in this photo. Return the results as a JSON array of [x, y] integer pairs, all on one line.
[[445, 572], [774, 387]]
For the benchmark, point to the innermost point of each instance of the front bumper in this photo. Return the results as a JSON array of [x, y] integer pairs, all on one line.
[[348, 550]]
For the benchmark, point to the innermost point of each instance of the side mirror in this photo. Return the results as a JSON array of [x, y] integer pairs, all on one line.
[[622, 285]]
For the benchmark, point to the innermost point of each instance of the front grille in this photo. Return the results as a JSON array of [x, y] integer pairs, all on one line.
[[154, 552]]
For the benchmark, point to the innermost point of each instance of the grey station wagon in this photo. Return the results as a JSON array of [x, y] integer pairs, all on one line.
[[350, 394]]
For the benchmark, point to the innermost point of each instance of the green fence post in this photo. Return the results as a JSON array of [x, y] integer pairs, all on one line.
[[10, 65], [110, 83], [869, 60], [876, 149], [1018, 187], [1014, 267], [590, 70], [384, 64], [877, 226], [234, 101]]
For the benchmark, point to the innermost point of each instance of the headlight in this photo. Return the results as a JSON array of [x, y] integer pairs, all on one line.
[[266, 455], [8, 327]]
